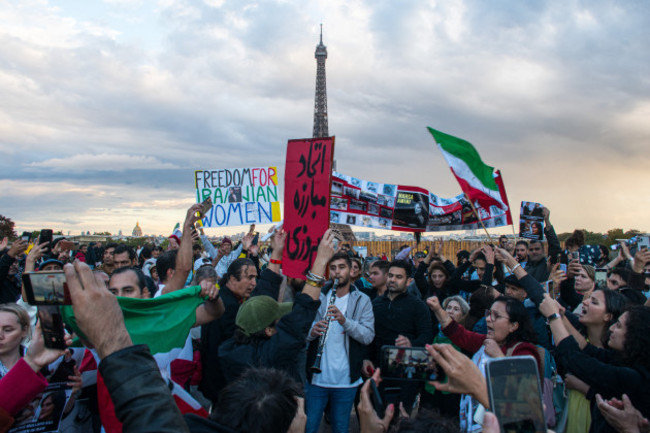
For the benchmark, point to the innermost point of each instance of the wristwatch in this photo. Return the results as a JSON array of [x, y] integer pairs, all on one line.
[[552, 317]]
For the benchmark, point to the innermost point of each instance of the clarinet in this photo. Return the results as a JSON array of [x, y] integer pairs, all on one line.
[[321, 341]]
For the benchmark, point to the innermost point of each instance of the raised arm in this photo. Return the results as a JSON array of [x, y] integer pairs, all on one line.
[[316, 277], [184, 255], [554, 247]]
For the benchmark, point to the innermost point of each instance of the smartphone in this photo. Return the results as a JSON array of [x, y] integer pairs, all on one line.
[[515, 394], [601, 275], [375, 399], [26, 236], [46, 236], [206, 205], [409, 363], [46, 288], [256, 239], [643, 242], [575, 255], [52, 326], [66, 245]]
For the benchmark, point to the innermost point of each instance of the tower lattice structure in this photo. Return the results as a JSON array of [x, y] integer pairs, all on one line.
[[320, 101]]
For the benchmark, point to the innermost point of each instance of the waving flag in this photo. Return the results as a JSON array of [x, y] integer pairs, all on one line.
[[480, 182]]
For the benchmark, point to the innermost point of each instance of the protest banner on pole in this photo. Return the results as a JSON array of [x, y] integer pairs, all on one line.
[[240, 196], [399, 207], [307, 180]]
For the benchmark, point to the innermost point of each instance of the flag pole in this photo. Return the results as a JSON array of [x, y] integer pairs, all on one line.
[[479, 218]]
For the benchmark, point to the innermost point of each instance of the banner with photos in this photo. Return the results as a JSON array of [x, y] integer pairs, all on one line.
[[531, 220], [404, 208]]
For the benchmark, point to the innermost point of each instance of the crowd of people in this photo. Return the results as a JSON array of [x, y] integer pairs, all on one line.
[[205, 337]]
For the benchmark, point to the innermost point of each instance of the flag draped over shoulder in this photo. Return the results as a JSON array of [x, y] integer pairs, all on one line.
[[161, 323], [481, 183]]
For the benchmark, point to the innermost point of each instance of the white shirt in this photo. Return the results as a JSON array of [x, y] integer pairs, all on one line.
[[335, 363]]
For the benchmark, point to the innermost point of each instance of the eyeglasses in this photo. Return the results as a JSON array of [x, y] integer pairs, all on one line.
[[494, 316]]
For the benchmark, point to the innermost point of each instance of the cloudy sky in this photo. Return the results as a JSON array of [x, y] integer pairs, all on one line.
[[107, 107]]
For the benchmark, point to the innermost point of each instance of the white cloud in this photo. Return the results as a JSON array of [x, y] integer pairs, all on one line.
[[102, 162]]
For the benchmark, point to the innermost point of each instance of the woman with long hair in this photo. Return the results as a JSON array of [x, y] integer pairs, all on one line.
[[510, 333], [599, 311], [624, 368]]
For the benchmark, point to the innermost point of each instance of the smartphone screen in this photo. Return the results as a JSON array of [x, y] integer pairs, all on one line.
[[26, 236], [46, 288], [601, 275], [46, 236], [408, 363], [52, 326], [643, 242], [515, 394]]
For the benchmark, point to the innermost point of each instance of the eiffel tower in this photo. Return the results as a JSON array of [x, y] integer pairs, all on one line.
[[320, 101]]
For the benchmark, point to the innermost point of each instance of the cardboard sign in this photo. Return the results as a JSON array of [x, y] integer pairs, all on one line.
[[404, 208], [307, 180], [240, 196], [531, 221]]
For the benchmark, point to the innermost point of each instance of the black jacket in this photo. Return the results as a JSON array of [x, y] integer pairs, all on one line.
[[427, 289], [9, 290], [220, 330], [539, 270], [405, 315], [142, 400], [456, 283], [280, 351], [601, 370]]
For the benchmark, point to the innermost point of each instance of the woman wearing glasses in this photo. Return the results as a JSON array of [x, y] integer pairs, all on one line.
[[510, 333]]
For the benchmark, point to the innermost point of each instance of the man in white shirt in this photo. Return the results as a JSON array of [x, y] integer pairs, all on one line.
[[351, 329]]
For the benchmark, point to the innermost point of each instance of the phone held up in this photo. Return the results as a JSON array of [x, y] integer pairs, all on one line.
[[52, 326], [409, 364], [515, 394], [46, 236], [48, 290]]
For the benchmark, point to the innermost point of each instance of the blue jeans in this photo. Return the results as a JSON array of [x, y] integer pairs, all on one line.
[[341, 401]]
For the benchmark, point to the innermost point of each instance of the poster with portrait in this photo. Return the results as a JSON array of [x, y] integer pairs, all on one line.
[[531, 220], [240, 196], [46, 410]]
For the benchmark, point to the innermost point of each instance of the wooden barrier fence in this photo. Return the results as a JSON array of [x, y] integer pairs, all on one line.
[[391, 248]]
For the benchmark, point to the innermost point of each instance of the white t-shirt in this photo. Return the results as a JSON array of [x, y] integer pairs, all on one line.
[[335, 363]]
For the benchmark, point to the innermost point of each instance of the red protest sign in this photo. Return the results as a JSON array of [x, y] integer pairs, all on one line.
[[307, 179]]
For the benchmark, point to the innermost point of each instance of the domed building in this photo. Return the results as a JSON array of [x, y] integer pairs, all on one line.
[[137, 231]]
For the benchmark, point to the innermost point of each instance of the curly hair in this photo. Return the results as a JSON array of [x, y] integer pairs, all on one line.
[[636, 348], [518, 314]]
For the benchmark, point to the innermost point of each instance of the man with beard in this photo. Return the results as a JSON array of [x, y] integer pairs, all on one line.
[[351, 329], [108, 265], [401, 320]]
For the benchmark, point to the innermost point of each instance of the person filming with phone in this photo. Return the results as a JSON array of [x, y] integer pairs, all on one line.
[[510, 333]]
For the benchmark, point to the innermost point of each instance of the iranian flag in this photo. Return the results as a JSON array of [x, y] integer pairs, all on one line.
[[480, 182], [163, 324]]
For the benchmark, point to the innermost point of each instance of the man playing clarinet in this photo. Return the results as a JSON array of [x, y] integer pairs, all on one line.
[[334, 362]]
